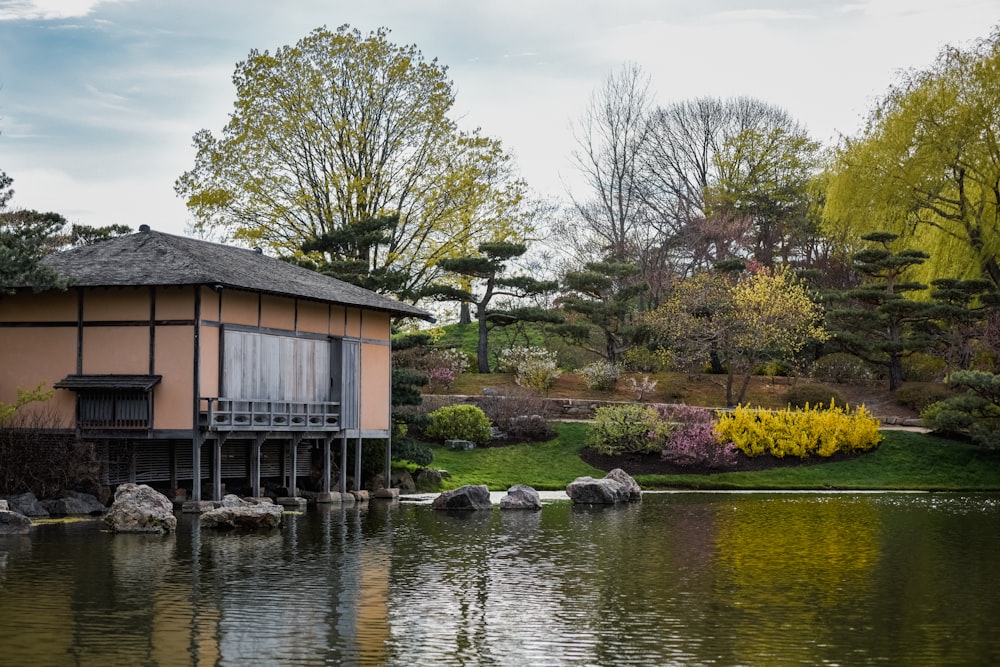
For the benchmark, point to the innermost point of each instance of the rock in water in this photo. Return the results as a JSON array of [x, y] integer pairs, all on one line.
[[13, 523], [239, 514], [138, 508], [468, 497], [626, 480], [521, 497], [590, 491]]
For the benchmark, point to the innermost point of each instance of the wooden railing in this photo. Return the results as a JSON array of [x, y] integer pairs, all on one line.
[[229, 414]]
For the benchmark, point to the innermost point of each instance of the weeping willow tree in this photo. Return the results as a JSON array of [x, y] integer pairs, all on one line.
[[927, 166]]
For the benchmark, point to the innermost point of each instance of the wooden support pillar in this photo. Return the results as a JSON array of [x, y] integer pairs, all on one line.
[[220, 439], [255, 446], [196, 467], [343, 465], [357, 465], [293, 474], [326, 463], [388, 460], [217, 469]]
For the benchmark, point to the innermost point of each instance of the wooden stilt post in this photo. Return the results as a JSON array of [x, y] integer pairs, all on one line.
[[255, 446], [196, 467], [326, 463], [357, 465], [343, 465]]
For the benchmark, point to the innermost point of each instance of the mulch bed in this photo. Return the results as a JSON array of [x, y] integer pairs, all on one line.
[[652, 464]]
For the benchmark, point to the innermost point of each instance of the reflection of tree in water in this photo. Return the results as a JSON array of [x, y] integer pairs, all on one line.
[[791, 570]]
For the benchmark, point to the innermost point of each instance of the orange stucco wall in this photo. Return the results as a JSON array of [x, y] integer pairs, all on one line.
[[116, 304], [353, 323], [375, 325], [239, 307], [338, 319], [374, 386], [173, 397], [175, 303], [314, 317], [122, 350], [209, 360], [39, 355], [26, 306], [277, 312], [210, 304]]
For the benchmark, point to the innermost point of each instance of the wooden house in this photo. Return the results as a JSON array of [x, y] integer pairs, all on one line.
[[189, 363]]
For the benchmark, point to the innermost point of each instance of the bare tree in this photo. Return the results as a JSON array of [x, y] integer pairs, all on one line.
[[611, 138]]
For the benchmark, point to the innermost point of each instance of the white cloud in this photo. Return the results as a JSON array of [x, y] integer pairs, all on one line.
[[48, 10]]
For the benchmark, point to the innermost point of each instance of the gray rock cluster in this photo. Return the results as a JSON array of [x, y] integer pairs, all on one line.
[[139, 508], [468, 497], [521, 497], [11, 522], [615, 487], [244, 515]]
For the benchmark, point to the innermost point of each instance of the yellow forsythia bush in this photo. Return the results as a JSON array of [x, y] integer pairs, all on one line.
[[800, 432]]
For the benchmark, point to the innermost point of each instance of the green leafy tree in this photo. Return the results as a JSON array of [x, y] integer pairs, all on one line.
[[927, 164], [488, 270], [744, 319], [878, 321], [24, 241], [973, 413], [332, 136], [962, 310], [607, 295]]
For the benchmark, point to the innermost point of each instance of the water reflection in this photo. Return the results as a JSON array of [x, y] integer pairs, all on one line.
[[727, 579]]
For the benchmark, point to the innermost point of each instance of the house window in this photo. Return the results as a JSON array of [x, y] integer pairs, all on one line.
[[114, 410], [112, 402]]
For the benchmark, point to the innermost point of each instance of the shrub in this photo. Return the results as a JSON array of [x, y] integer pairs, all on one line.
[[693, 440], [600, 375], [841, 368], [773, 368], [628, 429], [641, 387], [802, 395], [519, 413], [644, 360], [533, 367], [974, 414], [408, 449], [919, 395], [459, 422], [924, 368], [800, 432]]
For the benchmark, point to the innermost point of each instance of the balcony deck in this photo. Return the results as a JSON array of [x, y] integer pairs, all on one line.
[[228, 414]]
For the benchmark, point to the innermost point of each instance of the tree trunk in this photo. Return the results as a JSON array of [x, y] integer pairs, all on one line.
[[464, 313], [895, 372]]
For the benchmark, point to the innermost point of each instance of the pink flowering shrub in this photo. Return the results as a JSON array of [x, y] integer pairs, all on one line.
[[693, 440]]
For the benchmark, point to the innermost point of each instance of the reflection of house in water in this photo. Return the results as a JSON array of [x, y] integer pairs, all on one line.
[[190, 361]]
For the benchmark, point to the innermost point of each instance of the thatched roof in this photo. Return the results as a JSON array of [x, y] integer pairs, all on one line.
[[158, 259]]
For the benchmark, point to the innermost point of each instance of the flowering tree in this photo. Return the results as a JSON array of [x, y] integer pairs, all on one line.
[[758, 315]]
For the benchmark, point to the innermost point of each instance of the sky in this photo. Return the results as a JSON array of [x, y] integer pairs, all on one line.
[[99, 99]]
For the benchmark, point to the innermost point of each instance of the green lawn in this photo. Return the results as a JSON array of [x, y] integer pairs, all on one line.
[[904, 461]]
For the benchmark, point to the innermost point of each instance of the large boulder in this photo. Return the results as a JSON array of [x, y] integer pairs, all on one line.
[[244, 515], [616, 487], [428, 479], [402, 479], [521, 497], [13, 523], [74, 503], [138, 508], [468, 497], [631, 486], [27, 504]]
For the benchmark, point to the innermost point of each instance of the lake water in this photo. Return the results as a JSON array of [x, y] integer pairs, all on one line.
[[678, 579]]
